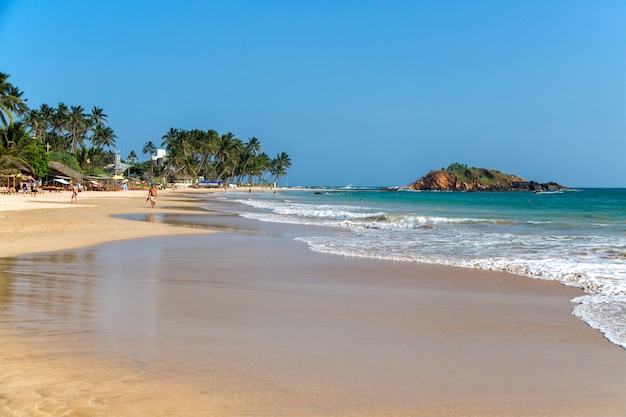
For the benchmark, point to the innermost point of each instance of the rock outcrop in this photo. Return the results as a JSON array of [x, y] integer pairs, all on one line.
[[461, 178]]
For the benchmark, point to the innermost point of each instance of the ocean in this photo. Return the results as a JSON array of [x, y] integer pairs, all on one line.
[[576, 237]]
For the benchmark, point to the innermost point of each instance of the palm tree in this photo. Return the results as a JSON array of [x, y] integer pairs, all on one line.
[[170, 137], [259, 166], [11, 102], [207, 148], [280, 165], [103, 136], [37, 124], [83, 157], [60, 118], [42, 125], [47, 114], [132, 158], [14, 142], [251, 149], [228, 156], [178, 162], [77, 126], [150, 149], [185, 150], [98, 117]]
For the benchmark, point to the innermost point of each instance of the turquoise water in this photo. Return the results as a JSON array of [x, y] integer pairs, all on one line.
[[575, 237]]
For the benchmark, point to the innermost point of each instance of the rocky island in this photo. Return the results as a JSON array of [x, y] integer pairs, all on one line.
[[458, 177]]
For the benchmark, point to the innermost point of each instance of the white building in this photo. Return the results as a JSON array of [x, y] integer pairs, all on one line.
[[160, 156]]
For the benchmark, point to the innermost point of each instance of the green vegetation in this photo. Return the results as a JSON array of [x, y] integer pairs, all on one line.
[[83, 141], [66, 159], [195, 153], [476, 175]]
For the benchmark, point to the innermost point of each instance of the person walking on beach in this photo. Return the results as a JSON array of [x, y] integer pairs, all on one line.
[[74, 194], [152, 195]]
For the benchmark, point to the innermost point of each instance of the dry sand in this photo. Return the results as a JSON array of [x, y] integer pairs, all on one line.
[[51, 222], [311, 335]]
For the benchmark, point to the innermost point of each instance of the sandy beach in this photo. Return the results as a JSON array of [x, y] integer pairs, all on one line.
[[51, 222], [111, 308]]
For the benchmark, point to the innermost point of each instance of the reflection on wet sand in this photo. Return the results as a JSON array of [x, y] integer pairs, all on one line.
[[52, 288], [201, 220], [235, 324]]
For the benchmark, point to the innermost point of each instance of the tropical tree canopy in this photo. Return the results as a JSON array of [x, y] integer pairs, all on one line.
[[68, 128], [11, 102], [29, 138], [19, 152], [280, 164], [221, 157]]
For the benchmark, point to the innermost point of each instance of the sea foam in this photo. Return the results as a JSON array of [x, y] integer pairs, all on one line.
[[556, 241]]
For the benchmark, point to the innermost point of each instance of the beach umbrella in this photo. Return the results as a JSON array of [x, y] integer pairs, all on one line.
[[13, 177]]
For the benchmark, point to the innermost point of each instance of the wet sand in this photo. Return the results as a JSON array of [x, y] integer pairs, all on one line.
[[248, 322], [50, 222]]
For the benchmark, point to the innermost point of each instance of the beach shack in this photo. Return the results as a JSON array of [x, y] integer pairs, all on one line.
[[60, 176], [11, 176], [9, 182], [103, 182], [181, 180]]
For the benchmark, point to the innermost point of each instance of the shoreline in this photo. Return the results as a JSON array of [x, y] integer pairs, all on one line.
[[49, 222], [427, 340]]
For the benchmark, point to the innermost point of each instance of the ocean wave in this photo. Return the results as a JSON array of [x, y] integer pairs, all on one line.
[[605, 314], [604, 282], [321, 211], [350, 216], [573, 247]]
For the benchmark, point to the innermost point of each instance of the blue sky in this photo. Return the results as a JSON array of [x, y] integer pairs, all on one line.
[[356, 92]]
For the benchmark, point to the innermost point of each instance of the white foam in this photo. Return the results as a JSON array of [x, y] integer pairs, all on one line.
[[605, 314], [589, 259]]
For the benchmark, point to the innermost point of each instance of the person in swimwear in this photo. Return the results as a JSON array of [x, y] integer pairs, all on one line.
[[74, 193], [152, 195]]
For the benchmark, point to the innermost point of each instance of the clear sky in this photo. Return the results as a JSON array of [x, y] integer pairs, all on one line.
[[356, 92]]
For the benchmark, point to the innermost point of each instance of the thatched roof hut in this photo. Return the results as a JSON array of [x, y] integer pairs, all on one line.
[[58, 169], [13, 170], [12, 166], [11, 180]]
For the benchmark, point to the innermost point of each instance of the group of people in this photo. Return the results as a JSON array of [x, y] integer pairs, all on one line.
[[29, 188], [152, 194]]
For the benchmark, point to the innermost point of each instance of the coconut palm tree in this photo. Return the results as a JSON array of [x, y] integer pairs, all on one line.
[[98, 117], [103, 136], [14, 144], [11, 102], [77, 126], [150, 149], [170, 137], [60, 118], [42, 128], [132, 158], [207, 148], [259, 166], [37, 124], [227, 157], [84, 158], [251, 149], [47, 114], [280, 164]]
